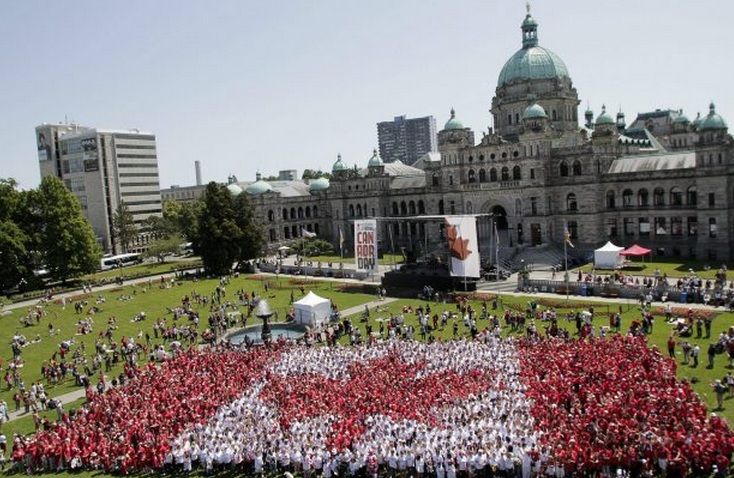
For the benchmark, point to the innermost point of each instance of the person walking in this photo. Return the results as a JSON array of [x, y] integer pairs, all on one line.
[[695, 352], [711, 354]]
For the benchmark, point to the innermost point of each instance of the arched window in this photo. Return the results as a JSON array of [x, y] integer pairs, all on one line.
[[359, 210], [505, 174], [271, 215], [482, 176], [481, 157], [676, 197], [692, 196], [441, 209], [293, 213], [643, 197], [571, 204], [351, 210], [577, 168], [411, 208], [421, 207], [395, 208], [286, 233], [658, 197], [627, 196], [285, 213], [315, 211], [470, 176], [308, 211], [493, 175], [300, 213], [516, 173], [563, 169], [611, 201], [403, 208], [518, 207]]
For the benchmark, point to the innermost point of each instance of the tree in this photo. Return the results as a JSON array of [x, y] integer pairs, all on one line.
[[15, 242], [165, 246], [66, 241], [182, 217], [313, 174], [226, 231], [123, 226]]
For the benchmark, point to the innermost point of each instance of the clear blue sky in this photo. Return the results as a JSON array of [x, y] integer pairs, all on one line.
[[272, 85]]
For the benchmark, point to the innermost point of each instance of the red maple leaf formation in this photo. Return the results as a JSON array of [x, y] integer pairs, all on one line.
[[458, 246], [385, 386]]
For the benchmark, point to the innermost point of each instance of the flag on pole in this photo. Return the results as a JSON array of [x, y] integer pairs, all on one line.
[[308, 234], [341, 241], [567, 235]]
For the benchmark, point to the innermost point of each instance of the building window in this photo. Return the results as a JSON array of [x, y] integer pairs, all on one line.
[[563, 169], [272, 235], [505, 174], [532, 173], [441, 207], [395, 208], [643, 197], [658, 197], [421, 207], [411, 208], [573, 229], [403, 208], [481, 157], [629, 226], [509, 119], [516, 173], [661, 226], [533, 206], [482, 176], [611, 227], [627, 198], [692, 197], [644, 226], [493, 175], [712, 199], [469, 209], [571, 204], [453, 207], [518, 207], [611, 202], [285, 213], [676, 197], [692, 226], [435, 180], [676, 226], [451, 180], [351, 210], [271, 216], [577, 168], [712, 227], [471, 176]]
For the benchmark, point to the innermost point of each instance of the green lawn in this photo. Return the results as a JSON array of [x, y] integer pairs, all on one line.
[[658, 338], [140, 270], [147, 297], [671, 267]]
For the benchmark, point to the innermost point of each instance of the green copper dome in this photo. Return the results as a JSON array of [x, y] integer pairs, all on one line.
[[375, 160], [339, 165], [258, 187], [713, 120], [453, 123], [604, 117], [681, 119], [534, 111], [318, 185], [532, 62], [234, 190]]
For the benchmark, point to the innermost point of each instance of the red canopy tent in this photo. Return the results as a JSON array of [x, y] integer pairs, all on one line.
[[635, 251]]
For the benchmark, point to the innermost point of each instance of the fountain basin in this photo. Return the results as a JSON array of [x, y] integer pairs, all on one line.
[[254, 332]]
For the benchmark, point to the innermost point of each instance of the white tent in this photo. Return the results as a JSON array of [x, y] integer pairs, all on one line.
[[607, 256], [312, 310]]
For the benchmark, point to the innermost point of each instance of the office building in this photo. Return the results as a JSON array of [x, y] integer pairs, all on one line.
[[406, 139]]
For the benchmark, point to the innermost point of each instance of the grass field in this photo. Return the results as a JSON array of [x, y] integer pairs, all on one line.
[[140, 270], [148, 298], [673, 268]]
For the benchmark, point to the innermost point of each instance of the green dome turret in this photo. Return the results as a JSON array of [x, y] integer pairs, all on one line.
[[339, 165], [681, 119], [532, 62], [604, 117], [318, 185], [453, 123], [375, 160], [258, 187], [534, 111], [713, 120]]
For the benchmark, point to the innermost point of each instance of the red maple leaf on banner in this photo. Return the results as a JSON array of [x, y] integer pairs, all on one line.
[[385, 386], [458, 246]]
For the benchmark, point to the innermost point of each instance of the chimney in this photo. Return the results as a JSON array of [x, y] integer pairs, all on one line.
[[197, 167], [258, 176]]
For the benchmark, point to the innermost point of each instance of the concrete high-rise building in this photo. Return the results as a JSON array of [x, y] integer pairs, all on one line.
[[407, 139], [104, 168]]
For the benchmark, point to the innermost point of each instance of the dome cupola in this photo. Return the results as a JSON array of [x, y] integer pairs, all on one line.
[[713, 120], [453, 123]]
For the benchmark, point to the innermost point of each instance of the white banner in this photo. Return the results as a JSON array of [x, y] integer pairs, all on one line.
[[463, 246], [365, 245]]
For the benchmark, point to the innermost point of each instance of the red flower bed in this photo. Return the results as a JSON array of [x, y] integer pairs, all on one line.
[[615, 402], [683, 312]]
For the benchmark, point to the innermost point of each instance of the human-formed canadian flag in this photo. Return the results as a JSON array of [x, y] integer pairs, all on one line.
[[579, 406]]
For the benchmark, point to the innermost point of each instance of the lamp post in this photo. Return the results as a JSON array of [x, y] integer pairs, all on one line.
[[264, 312]]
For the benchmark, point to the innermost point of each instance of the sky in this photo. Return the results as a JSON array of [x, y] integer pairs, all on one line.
[[246, 86]]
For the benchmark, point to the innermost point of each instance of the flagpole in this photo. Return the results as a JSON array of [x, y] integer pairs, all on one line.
[[566, 237]]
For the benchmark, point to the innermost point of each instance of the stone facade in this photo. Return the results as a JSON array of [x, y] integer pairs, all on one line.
[[663, 182]]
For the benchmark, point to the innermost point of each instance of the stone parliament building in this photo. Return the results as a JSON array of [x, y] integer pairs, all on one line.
[[664, 181]]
